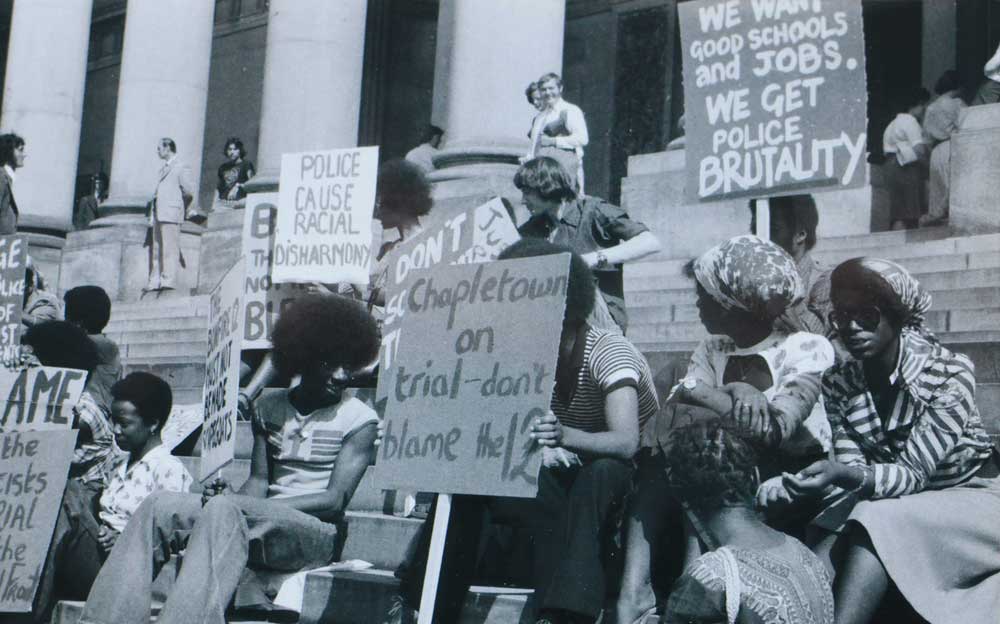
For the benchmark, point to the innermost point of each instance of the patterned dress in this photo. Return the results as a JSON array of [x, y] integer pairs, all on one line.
[[786, 584]]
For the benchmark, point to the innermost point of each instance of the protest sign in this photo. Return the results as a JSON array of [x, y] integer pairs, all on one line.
[[774, 96], [460, 408], [35, 467], [222, 371], [476, 235], [13, 257], [325, 205], [264, 299], [39, 398]]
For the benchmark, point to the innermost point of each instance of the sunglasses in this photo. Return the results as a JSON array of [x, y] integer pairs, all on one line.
[[867, 317]]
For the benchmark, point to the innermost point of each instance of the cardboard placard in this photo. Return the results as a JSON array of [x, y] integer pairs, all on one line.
[[39, 398], [476, 235], [774, 95], [222, 371], [35, 468], [264, 298], [13, 258], [325, 205], [463, 398]]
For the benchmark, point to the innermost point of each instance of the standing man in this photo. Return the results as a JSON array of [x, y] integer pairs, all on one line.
[[174, 192], [559, 131], [423, 154], [12, 156]]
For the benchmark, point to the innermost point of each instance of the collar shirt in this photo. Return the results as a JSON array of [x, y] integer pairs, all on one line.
[[796, 363], [564, 122], [932, 438], [901, 138], [128, 485], [10, 173]]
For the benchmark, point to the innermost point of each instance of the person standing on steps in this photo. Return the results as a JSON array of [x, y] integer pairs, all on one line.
[[174, 193], [12, 155]]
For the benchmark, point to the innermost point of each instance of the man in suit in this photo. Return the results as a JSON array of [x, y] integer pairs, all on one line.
[[174, 192], [12, 154]]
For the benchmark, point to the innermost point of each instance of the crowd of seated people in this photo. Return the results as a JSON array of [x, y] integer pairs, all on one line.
[[821, 457]]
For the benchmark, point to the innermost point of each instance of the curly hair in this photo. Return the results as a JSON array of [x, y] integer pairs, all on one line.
[[62, 344], [150, 395], [8, 143], [546, 177], [89, 307], [239, 145], [580, 289], [403, 189], [709, 466], [324, 328], [529, 92]]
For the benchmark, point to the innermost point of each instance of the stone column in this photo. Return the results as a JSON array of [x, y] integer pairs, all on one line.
[[312, 81], [163, 92], [312, 100], [487, 53], [43, 103]]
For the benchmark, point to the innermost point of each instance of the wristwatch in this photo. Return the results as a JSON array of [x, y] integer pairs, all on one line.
[[602, 260]]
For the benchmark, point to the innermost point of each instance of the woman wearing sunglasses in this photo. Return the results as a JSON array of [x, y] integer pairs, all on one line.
[[913, 493], [752, 374]]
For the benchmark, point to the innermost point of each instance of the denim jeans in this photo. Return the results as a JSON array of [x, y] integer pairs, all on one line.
[[220, 540]]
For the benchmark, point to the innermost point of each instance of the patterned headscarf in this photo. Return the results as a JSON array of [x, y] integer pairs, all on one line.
[[913, 300], [750, 274]]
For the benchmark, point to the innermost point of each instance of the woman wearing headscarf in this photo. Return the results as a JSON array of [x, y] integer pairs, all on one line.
[[913, 492], [751, 372]]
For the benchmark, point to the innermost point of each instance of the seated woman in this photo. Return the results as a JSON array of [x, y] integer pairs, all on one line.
[[754, 573], [751, 373], [85, 533], [915, 475], [311, 447]]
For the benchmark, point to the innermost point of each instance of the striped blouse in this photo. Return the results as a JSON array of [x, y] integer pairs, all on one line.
[[601, 363], [932, 439]]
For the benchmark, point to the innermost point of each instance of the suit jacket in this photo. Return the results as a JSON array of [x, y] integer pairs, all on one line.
[[8, 207], [174, 192]]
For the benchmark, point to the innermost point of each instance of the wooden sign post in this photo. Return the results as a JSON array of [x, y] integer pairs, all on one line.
[[462, 398]]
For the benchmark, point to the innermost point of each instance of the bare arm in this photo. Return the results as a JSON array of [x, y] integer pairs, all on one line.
[[621, 440], [256, 485], [637, 247]]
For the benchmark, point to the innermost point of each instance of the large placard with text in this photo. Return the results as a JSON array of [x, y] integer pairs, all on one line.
[[774, 96], [464, 395]]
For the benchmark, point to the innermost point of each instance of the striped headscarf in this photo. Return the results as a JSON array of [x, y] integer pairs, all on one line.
[[910, 296], [750, 274]]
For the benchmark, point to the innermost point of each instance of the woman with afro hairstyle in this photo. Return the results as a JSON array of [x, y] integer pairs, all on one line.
[[753, 572], [603, 395], [311, 447]]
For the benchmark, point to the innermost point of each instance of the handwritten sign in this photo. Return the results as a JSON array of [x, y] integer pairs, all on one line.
[[39, 398], [463, 397], [476, 235], [774, 96], [13, 257], [264, 299], [325, 206], [35, 467], [222, 371]]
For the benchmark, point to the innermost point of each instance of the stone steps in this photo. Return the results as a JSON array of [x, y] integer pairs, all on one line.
[[364, 597]]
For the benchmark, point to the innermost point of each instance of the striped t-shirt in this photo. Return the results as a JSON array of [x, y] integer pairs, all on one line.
[[603, 362], [303, 448], [933, 437]]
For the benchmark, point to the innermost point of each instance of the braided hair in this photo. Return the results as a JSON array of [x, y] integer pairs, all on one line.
[[710, 466]]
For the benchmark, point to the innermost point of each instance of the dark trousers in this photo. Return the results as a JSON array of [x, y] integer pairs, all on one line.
[[569, 523]]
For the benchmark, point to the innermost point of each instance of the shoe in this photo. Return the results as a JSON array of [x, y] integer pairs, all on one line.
[[400, 612]]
